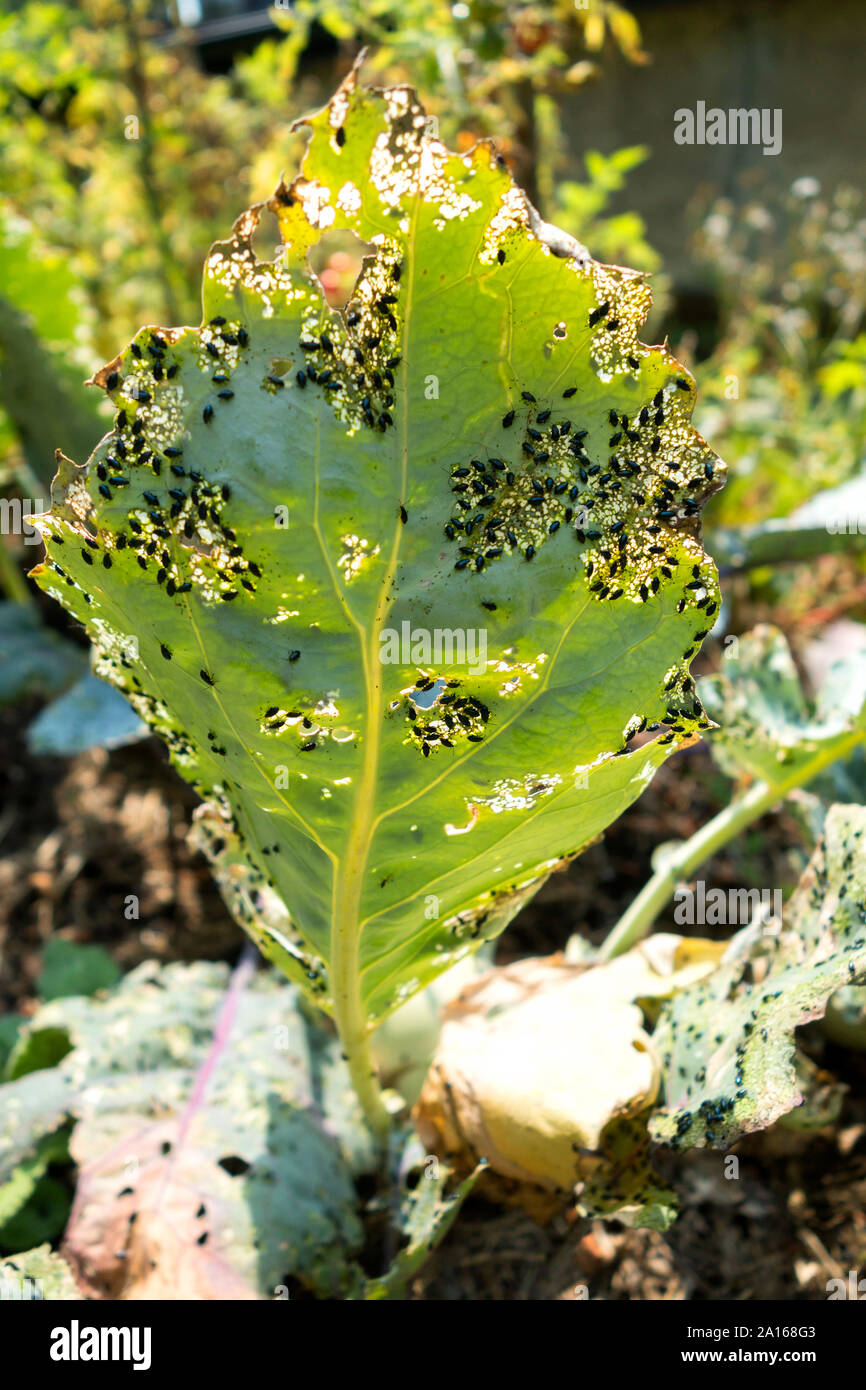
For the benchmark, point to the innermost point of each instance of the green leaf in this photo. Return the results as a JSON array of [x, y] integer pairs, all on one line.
[[9, 1026], [622, 1184], [36, 1049], [400, 802], [768, 727], [68, 968], [41, 1217], [19, 1189], [43, 322], [833, 519], [36, 392], [730, 1062]]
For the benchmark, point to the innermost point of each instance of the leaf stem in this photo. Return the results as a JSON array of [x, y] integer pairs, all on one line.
[[681, 863], [351, 1024], [777, 542], [12, 581]]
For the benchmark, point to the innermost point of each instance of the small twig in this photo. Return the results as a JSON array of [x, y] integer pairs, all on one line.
[[682, 862]]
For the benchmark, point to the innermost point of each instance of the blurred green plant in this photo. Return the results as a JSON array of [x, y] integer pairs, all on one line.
[[620, 238], [784, 392], [488, 66], [120, 149]]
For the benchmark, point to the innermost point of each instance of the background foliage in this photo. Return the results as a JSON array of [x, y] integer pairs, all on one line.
[[125, 139]]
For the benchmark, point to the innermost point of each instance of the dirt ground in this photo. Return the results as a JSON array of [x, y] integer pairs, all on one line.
[[77, 836]]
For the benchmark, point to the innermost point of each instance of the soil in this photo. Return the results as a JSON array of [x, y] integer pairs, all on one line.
[[78, 836]]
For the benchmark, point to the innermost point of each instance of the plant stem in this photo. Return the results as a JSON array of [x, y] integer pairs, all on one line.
[[355, 1038], [776, 542], [12, 581], [681, 863], [136, 72]]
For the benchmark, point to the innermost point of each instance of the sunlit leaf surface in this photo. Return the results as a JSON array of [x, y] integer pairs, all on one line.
[[396, 583]]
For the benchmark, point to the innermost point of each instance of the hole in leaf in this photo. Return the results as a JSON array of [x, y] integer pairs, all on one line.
[[234, 1166], [426, 699], [266, 243], [336, 259]]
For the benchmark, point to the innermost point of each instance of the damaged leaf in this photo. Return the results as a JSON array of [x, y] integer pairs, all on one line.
[[189, 1190], [768, 727], [425, 1214], [621, 1184], [36, 1275], [396, 582], [727, 1045]]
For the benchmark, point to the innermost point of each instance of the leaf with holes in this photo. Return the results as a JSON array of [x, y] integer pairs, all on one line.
[[768, 727], [207, 1168], [397, 582], [728, 1042]]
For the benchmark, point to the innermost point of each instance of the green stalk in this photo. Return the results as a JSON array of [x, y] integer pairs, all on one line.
[[636, 922], [349, 1012], [350, 1018], [777, 542], [12, 581]]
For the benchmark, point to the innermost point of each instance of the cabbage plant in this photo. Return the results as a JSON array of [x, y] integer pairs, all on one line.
[[409, 587]]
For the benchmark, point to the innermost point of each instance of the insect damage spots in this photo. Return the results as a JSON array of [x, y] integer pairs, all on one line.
[[507, 229], [221, 346], [730, 1056], [519, 794], [308, 723], [510, 503], [356, 551], [233, 268], [439, 717], [351, 357], [252, 895], [518, 673], [406, 161], [151, 501], [622, 497], [622, 302]]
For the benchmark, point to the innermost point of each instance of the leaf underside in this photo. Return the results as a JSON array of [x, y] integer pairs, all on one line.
[[728, 1046], [476, 447]]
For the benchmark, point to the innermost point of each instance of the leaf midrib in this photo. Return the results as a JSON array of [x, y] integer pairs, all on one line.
[[349, 1011]]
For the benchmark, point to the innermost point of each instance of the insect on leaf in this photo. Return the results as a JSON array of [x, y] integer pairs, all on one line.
[[396, 582]]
